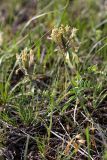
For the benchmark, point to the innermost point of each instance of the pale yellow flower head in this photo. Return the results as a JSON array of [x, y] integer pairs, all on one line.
[[26, 61], [64, 37]]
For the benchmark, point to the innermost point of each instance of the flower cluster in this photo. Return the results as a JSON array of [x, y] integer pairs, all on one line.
[[65, 37], [26, 61]]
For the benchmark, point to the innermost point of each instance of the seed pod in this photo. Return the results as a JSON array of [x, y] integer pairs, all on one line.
[[81, 141], [31, 58]]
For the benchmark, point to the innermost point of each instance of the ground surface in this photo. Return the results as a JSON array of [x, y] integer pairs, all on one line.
[[49, 110]]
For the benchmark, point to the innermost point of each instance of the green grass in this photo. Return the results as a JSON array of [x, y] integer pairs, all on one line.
[[42, 112]]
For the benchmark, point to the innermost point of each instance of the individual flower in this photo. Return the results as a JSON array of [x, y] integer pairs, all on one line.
[[73, 33], [24, 58], [67, 28]]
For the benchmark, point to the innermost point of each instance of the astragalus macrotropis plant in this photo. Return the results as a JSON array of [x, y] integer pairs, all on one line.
[[65, 38]]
